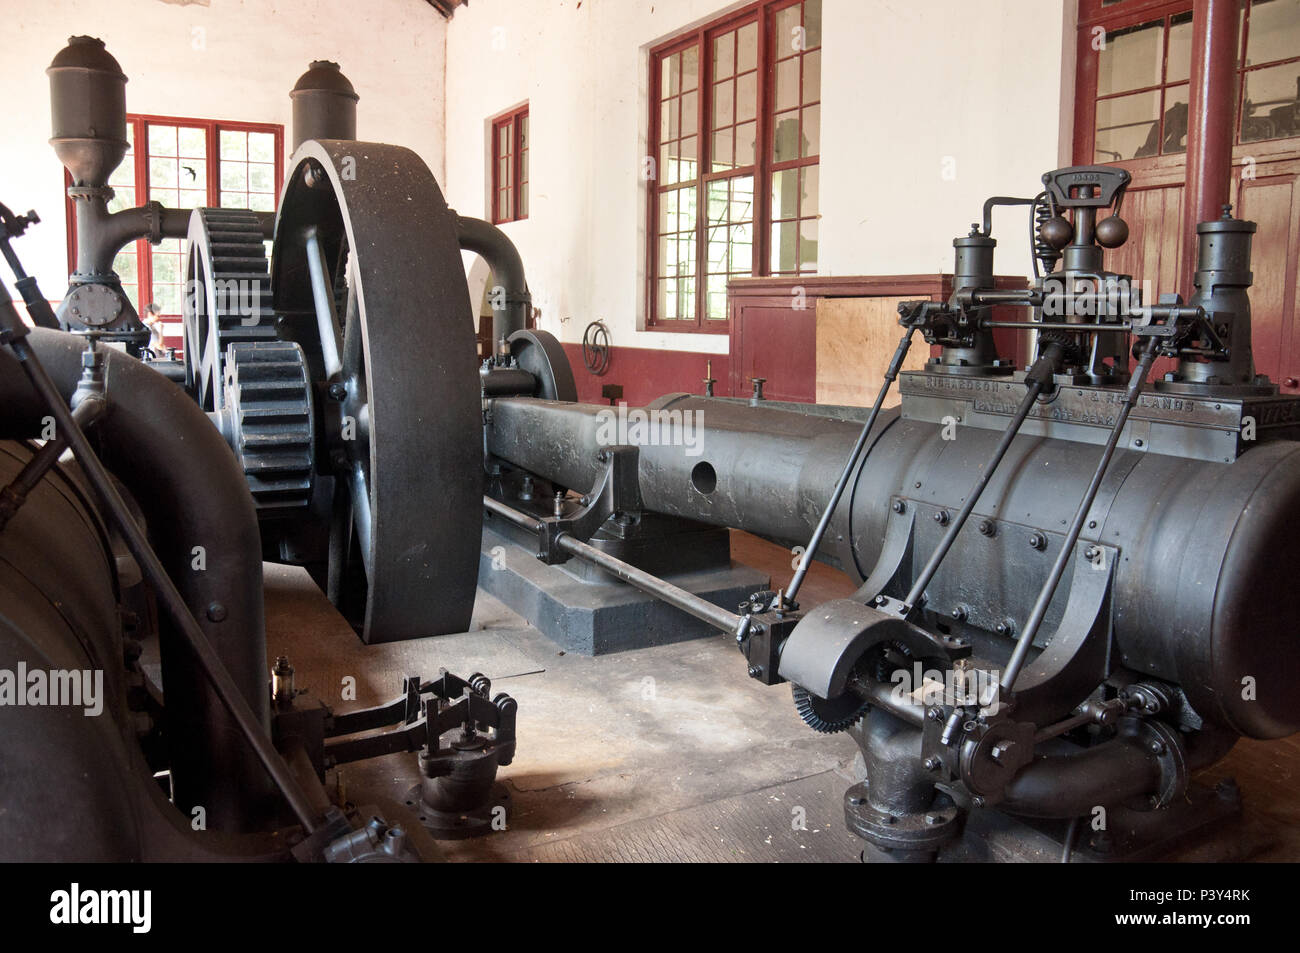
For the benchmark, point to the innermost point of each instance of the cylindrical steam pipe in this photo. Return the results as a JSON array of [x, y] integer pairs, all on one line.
[[511, 303], [1071, 785]]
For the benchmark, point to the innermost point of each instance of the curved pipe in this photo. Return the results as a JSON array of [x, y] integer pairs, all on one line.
[[102, 234], [1071, 785], [204, 529], [495, 248]]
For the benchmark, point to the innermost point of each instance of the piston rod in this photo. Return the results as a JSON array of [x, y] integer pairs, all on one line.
[[661, 589]]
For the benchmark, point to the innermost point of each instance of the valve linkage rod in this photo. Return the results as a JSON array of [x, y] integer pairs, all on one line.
[[1036, 380], [1063, 558]]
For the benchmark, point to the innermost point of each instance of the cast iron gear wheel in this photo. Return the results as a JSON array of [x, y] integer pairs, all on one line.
[[227, 296], [267, 399], [828, 717]]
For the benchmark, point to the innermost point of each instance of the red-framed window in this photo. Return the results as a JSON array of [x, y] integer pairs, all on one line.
[[1134, 67], [510, 166], [186, 163], [735, 140]]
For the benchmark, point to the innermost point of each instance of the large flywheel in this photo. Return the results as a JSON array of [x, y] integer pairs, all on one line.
[[367, 278]]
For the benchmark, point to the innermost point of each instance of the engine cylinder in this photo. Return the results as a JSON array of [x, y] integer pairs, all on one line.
[[1201, 548]]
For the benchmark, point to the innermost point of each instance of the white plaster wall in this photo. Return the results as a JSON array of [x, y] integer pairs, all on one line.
[[220, 59], [906, 85]]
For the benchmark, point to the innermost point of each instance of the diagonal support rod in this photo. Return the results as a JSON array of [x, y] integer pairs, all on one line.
[[1038, 375], [1063, 558], [891, 373]]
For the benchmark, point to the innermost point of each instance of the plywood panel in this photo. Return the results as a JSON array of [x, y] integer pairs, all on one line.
[[856, 338]]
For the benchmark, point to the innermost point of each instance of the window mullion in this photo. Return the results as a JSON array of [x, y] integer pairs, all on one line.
[[762, 164], [703, 120]]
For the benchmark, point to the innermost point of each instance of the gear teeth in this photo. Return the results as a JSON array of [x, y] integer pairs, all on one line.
[[268, 397], [827, 717]]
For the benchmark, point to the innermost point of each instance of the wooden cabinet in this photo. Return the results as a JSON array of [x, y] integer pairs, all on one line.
[[826, 339]]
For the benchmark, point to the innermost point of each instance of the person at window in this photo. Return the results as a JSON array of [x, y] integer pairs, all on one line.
[[153, 321]]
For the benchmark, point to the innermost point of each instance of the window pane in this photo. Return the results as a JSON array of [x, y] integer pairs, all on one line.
[[742, 249], [162, 140], [690, 68], [784, 246], [122, 198], [724, 55], [785, 32], [1178, 67], [688, 164], [668, 120], [787, 84], [1127, 127], [723, 100], [690, 113], [1272, 108], [812, 77], [192, 198], [1274, 31], [261, 147], [812, 23], [747, 47], [668, 164], [262, 202], [261, 178], [234, 200], [717, 202], [124, 265], [785, 194], [668, 212], [717, 298], [747, 97], [1130, 59], [808, 245], [124, 175], [234, 145], [234, 176], [193, 174], [686, 299], [808, 203], [716, 253], [686, 254], [723, 150], [742, 198], [746, 136], [193, 143], [666, 307], [162, 173], [686, 209], [670, 75], [811, 142], [1175, 133], [785, 136]]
